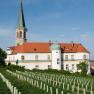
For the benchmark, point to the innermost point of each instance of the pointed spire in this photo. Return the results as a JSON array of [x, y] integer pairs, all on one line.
[[21, 20]]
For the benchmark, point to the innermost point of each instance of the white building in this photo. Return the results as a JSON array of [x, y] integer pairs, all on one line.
[[48, 55], [44, 55]]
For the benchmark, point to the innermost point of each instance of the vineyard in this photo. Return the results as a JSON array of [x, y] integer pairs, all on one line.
[[36, 82]]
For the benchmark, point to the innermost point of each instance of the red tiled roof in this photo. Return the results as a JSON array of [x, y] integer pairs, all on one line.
[[32, 47], [73, 47], [44, 47]]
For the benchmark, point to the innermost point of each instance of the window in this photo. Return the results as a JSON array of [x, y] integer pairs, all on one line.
[[66, 57], [72, 57], [72, 66], [36, 57], [67, 67], [22, 57], [84, 56], [20, 34], [58, 60], [36, 66], [48, 57]]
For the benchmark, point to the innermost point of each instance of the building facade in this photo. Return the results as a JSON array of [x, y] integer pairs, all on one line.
[[44, 55]]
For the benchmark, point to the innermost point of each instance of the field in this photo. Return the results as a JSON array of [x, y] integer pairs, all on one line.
[[20, 81]]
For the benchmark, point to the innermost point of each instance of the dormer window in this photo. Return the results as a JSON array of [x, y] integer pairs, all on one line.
[[35, 49]]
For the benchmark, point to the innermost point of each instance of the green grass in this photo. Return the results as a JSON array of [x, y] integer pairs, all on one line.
[[26, 88], [23, 86], [3, 88]]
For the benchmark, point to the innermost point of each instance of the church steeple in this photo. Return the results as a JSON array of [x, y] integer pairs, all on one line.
[[21, 27], [21, 20]]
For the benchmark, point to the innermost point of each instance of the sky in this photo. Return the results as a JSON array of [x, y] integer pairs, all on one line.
[[55, 20]]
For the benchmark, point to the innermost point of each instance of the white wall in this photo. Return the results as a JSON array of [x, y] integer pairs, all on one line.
[[29, 56], [56, 54], [53, 56], [70, 63], [32, 65], [77, 56], [44, 56], [11, 58]]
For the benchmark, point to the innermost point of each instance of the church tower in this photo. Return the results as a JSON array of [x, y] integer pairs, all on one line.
[[21, 27]]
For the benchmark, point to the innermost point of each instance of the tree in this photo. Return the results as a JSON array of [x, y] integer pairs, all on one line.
[[2, 57], [83, 66]]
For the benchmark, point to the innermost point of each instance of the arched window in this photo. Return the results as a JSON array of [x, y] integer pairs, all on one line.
[[22, 57], [20, 34], [36, 57]]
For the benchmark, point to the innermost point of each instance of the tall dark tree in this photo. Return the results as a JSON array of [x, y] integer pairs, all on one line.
[[2, 57]]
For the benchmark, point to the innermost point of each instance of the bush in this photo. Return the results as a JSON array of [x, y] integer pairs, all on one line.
[[15, 67], [52, 71]]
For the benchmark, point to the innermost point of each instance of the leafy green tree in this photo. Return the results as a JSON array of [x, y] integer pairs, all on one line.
[[83, 66], [2, 57]]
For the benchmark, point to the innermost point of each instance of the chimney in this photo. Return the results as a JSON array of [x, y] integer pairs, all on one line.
[[72, 43], [50, 42]]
